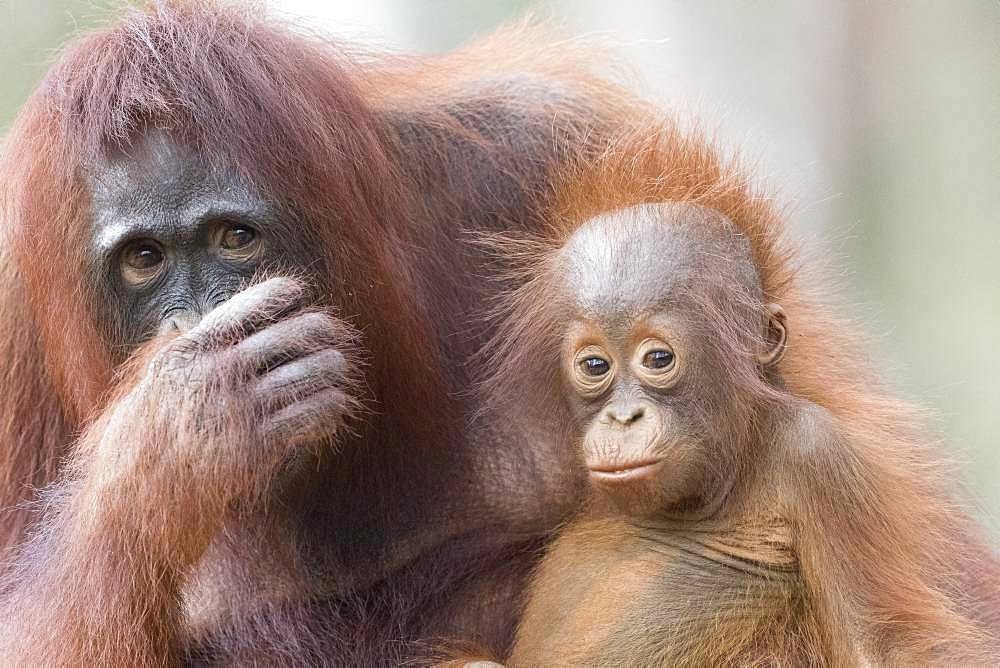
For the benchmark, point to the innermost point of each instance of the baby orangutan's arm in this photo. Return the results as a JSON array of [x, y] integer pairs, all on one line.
[[874, 534]]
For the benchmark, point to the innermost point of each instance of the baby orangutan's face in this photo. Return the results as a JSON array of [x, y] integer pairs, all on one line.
[[649, 387], [641, 443]]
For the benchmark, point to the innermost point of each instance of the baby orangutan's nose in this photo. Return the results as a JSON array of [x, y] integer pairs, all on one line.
[[624, 414]]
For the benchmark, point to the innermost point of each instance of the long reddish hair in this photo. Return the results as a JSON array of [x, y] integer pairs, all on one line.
[[942, 583], [283, 107]]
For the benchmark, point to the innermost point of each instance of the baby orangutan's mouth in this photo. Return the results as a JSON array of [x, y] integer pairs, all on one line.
[[618, 473]]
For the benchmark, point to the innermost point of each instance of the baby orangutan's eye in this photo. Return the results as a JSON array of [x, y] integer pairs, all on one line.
[[592, 371], [658, 359], [595, 366]]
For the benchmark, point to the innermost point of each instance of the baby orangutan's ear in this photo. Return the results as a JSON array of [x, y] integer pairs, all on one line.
[[775, 336]]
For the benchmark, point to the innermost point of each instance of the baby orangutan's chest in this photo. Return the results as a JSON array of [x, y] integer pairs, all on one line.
[[608, 591]]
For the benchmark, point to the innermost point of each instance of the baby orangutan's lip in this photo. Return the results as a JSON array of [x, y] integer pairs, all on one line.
[[624, 472]]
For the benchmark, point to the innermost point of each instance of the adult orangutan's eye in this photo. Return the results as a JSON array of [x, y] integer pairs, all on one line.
[[141, 261], [658, 359], [595, 366], [238, 237], [143, 256]]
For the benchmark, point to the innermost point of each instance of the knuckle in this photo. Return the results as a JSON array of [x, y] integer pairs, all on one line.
[[332, 361], [188, 344], [281, 284], [272, 293], [172, 358], [312, 328], [280, 290], [333, 356], [329, 400], [314, 321]]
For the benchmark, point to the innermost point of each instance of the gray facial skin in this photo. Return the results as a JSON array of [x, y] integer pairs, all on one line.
[[161, 199]]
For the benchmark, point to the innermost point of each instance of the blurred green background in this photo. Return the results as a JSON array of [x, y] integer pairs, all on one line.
[[878, 122]]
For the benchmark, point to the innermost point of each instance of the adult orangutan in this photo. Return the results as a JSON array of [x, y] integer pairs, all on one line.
[[221, 239], [757, 498]]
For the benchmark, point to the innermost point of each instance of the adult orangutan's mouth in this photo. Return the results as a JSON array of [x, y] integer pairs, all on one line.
[[624, 472]]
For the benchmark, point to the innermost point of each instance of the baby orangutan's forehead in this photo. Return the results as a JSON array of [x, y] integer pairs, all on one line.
[[634, 260]]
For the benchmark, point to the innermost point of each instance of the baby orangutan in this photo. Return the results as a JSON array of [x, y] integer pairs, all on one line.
[[731, 521]]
